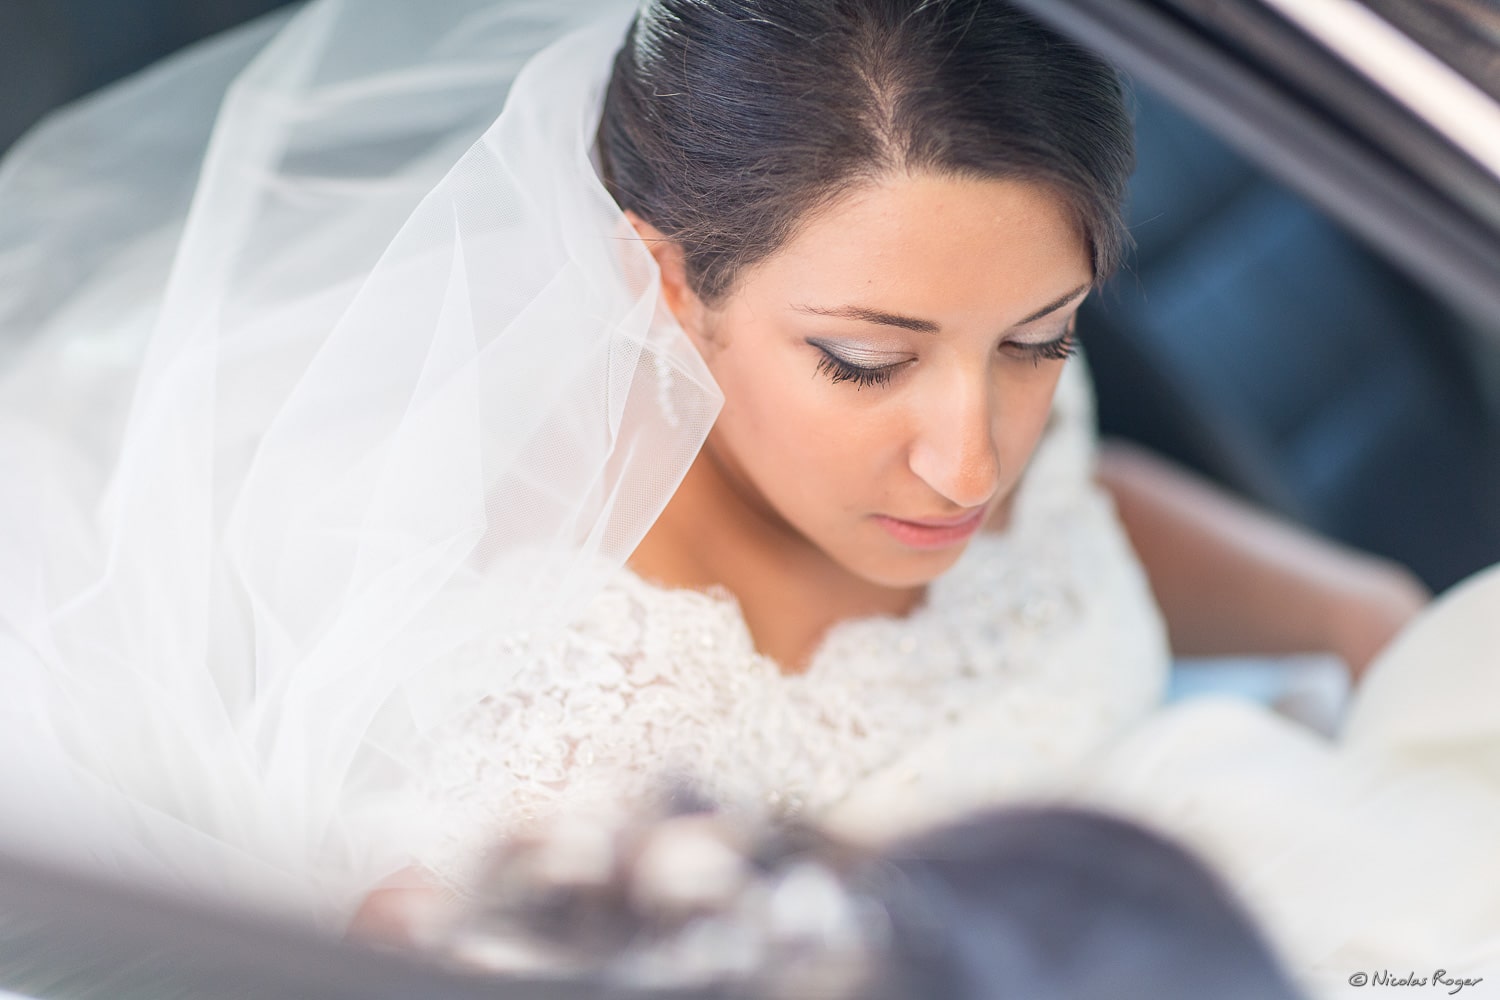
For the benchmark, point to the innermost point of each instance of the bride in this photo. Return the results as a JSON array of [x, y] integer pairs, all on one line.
[[384, 477]]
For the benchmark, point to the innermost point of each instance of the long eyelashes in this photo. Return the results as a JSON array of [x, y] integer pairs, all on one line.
[[1061, 349], [838, 370]]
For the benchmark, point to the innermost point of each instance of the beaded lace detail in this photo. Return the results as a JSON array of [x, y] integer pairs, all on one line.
[[1047, 627]]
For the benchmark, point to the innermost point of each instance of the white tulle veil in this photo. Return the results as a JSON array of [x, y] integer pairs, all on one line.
[[314, 370]]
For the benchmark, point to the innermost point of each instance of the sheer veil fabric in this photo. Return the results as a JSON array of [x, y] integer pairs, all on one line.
[[313, 370]]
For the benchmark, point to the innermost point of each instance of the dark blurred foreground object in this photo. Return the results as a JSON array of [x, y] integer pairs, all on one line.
[[1057, 903], [1041, 903], [1038, 902], [65, 937]]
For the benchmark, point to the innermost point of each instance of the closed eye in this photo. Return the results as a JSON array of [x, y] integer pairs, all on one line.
[[1058, 349], [839, 370]]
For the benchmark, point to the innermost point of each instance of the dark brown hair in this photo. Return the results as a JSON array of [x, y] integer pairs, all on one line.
[[728, 122]]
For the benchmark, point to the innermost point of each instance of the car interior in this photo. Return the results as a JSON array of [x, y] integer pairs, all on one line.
[[1253, 339]]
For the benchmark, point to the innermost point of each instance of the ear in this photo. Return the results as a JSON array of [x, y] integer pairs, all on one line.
[[676, 293]]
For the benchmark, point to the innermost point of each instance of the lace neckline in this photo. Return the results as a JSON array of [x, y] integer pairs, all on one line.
[[720, 604]]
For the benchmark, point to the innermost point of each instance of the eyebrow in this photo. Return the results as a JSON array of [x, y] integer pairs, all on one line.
[[926, 325]]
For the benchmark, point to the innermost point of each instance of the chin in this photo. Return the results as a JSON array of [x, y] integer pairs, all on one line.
[[917, 569]]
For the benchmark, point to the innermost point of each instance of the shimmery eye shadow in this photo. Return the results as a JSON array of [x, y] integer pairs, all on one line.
[[861, 357]]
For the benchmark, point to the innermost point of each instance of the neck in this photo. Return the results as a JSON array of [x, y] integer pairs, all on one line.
[[714, 532]]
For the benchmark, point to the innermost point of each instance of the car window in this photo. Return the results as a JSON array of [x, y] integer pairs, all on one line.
[[1464, 33], [1255, 339]]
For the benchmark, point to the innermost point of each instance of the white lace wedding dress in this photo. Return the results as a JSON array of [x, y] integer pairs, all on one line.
[[1044, 637]]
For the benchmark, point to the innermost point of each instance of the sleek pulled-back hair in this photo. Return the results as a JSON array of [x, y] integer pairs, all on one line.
[[727, 123]]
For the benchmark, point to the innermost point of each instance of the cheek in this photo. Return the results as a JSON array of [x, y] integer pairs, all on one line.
[[816, 451], [798, 441], [1021, 422]]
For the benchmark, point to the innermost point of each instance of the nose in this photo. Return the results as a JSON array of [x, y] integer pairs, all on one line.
[[954, 451]]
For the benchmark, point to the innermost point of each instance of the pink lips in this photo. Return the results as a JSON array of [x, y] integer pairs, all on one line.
[[932, 533]]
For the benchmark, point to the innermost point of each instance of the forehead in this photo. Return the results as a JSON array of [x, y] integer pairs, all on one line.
[[932, 245]]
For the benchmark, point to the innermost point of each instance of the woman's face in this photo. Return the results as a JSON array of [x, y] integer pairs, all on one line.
[[895, 364]]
